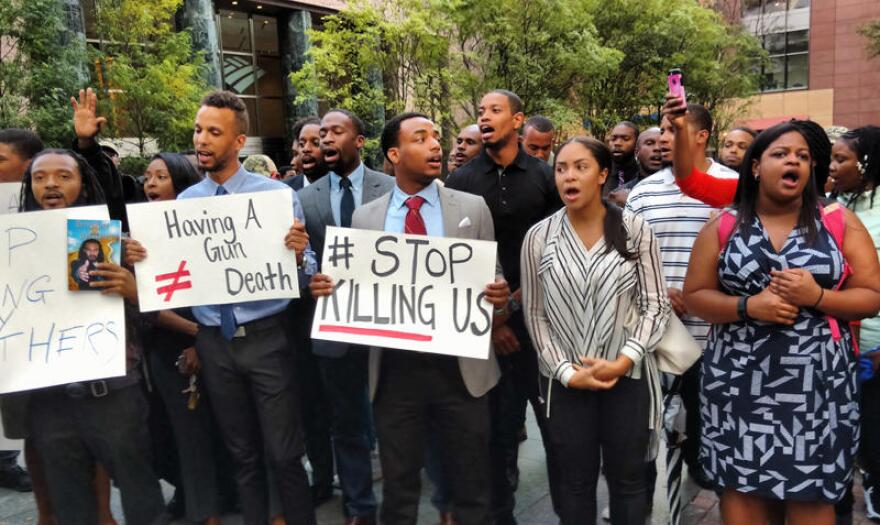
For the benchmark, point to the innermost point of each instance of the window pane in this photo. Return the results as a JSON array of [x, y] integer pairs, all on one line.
[[774, 43], [238, 74], [798, 42], [265, 35], [271, 117], [798, 71], [234, 31], [269, 76], [251, 104], [798, 4], [774, 75], [774, 6], [751, 7]]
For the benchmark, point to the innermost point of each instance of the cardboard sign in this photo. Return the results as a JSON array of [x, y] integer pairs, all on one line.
[[48, 334], [214, 250], [10, 193], [409, 292]]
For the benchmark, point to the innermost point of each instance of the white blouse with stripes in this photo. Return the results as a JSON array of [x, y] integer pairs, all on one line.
[[581, 302]]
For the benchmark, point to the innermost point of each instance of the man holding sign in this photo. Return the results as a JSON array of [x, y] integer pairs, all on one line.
[[247, 364], [412, 389]]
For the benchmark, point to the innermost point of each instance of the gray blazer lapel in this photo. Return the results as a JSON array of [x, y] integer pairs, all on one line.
[[451, 213], [373, 188], [323, 189]]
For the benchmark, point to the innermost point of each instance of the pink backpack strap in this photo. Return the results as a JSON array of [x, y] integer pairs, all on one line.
[[834, 220], [726, 223]]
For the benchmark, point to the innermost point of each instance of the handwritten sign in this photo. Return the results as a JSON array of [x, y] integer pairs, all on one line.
[[10, 193], [409, 292], [48, 334], [214, 250]]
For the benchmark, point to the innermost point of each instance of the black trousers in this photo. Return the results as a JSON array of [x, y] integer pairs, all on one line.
[[508, 401], [585, 426], [71, 435], [253, 394], [418, 392]]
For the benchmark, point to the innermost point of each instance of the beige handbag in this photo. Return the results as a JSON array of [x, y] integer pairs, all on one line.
[[678, 350]]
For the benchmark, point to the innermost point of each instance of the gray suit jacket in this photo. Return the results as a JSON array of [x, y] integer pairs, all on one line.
[[315, 199], [479, 375]]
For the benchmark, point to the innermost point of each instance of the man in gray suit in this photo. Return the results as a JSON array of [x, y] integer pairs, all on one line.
[[331, 201], [412, 391]]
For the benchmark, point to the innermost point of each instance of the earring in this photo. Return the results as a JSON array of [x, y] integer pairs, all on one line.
[[860, 166], [757, 175]]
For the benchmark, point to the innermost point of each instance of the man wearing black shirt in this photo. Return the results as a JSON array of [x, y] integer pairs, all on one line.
[[520, 191], [624, 167]]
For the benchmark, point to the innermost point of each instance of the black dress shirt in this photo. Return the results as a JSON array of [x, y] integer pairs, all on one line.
[[518, 196]]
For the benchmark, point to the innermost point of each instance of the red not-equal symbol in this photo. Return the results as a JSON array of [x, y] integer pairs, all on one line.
[[175, 285]]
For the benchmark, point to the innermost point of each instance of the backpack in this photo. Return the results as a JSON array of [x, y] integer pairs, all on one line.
[[834, 220]]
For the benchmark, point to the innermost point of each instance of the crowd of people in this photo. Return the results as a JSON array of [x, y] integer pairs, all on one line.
[[766, 254]]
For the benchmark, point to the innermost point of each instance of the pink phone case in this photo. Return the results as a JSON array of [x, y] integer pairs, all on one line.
[[675, 86]]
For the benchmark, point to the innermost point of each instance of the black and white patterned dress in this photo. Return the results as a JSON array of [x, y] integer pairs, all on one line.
[[780, 409]]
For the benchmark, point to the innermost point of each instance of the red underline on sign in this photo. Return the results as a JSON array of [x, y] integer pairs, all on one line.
[[374, 332]]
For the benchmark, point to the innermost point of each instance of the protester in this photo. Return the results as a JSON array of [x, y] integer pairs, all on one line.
[[537, 137], [175, 365], [308, 161], [622, 142], [775, 281], [467, 146], [649, 159], [246, 360], [76, 425], [656, 199], [595, 256], [17, 148], [331, 201], [409, 388], [855, 175], [734, 146], [261, 165], [519, 191]]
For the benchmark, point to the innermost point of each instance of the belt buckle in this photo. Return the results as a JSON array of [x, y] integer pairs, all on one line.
[[239, 332], [99, 388]]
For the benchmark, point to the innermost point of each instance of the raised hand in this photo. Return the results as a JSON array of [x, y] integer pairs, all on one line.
[[86, 122]]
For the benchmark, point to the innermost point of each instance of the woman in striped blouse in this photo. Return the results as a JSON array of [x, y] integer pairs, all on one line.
[[596, 306]]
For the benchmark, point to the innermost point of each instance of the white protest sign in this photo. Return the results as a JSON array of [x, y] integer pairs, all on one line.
[[50, 335], [10, 193], [409, 292], [214, 250]]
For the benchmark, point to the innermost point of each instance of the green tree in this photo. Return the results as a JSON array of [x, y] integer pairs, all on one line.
[[41, 65], [871, 31], [148, 72]]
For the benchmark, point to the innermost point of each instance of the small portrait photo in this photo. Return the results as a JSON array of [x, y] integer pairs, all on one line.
[[90, 242]]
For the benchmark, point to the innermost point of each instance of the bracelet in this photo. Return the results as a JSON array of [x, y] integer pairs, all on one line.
[[742, 308], [819, 300]]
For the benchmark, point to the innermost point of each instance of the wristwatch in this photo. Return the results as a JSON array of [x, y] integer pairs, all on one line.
[[513, 305]]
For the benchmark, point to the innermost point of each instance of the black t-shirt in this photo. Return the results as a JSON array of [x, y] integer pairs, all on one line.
[[621, 174], [518, 196]]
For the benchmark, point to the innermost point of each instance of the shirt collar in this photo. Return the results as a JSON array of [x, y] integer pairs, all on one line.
[[356, 177], [431, 194], [233, 184], [486, 164]]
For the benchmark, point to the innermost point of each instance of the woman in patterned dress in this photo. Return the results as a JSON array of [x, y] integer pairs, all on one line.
[[779, 394]]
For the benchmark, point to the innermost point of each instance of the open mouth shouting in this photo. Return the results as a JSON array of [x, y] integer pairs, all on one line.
[[331, 156], [790, 179]]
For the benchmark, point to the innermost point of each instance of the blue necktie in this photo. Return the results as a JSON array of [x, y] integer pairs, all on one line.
[[346, 207], [227, 313]]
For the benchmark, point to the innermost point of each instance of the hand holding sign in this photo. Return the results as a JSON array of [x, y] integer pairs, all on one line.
[[134, 252], [297, 239], [115, 280]]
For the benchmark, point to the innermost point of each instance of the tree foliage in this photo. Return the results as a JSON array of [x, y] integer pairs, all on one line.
[[871, 31], [150, 77], [40, 67], [576, 61]]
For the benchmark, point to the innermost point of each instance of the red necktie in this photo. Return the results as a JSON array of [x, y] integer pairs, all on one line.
[[414, 222]]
